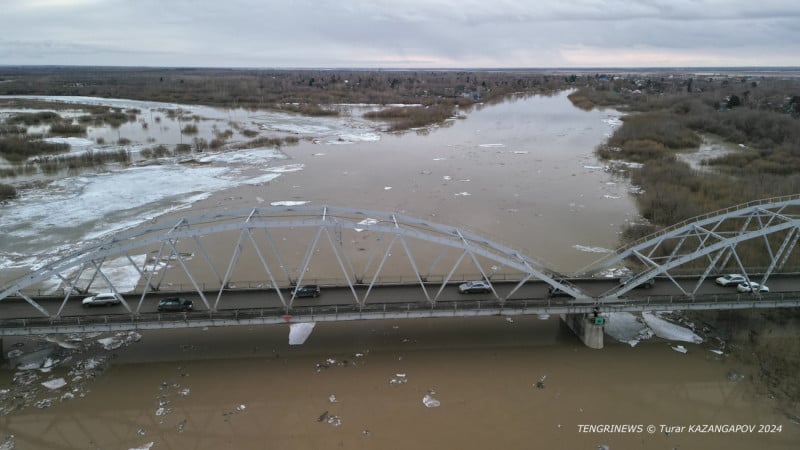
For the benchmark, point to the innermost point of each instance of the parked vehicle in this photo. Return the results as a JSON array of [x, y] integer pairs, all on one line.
[[731, 279], [105, 299], [175, 304], [646, 284], [745, 287], [473, 287], [308, 290]]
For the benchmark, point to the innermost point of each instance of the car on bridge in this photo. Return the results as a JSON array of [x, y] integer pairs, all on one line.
[[647, 284], [731, 279], [553, 291], [474, 287], [175, 304], [308, 290], [745, 287], [104, 299]]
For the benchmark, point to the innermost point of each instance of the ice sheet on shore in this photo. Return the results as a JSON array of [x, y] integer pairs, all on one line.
[[93, 205], [71, 141], [299, 332]]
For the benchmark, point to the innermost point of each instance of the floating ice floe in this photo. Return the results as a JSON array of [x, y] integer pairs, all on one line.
[[387, 188], [439, 159], [144, 447], [680, 349], [717, 352], [332, 399], [521, 152], [584, 248], [55, 383], [430, 402], [491, 145], [670, 331], [463, 194], [594, 167], [612, 197], [399, 378], [299, 332], [367, 221], [289, 203]]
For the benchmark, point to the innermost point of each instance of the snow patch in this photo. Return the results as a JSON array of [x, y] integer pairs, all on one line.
[[289, 203]]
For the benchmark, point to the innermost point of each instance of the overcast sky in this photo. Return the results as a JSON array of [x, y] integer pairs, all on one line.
[[401, 33]]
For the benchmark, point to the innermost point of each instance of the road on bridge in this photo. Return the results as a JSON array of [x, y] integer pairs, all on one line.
[[532, 292]]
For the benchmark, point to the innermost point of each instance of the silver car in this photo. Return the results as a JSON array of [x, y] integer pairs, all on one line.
[[471, 287], [744, 287], [731, 279], [105, 299]]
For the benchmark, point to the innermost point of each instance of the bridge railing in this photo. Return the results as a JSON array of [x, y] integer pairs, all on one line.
[[532, 306]]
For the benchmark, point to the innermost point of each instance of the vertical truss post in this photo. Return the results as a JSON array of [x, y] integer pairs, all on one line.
[[413, 263], [278, 256], [306, 262], [450, 274], [468, 248], [378, 270], [207, 259], [778, 255], [189, 274], [152, 272], [341, 265], [266, 268], [237, 250], [112, 287]]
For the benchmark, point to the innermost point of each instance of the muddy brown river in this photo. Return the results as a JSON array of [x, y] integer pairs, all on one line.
[[472, 383]]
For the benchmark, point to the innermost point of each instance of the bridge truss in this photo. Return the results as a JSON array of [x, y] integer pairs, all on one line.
[[719, 242], [276, 248], [343, 246]]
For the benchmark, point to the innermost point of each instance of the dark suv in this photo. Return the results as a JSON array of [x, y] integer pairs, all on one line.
[[175, 304], [308, 290]]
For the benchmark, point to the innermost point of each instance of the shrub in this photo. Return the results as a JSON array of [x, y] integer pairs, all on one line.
[[183, 148], [7, 192], [190, 129], [67, 129]]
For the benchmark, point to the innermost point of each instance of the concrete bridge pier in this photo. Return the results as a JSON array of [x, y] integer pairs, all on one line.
[[588, 327]]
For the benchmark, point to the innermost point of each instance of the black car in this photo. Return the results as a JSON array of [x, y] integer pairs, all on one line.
[[308, 290], [647, 284], [175, 304]]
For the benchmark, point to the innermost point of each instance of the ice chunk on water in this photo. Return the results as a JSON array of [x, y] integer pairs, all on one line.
[[289, 203], [299, 332], [55, 383], [670, 331], [680, 349], [430, 402], [144, 447]]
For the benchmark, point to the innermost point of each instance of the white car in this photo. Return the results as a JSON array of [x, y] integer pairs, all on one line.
[[744, 287], [730, 279], [471, 287], [105, 299]]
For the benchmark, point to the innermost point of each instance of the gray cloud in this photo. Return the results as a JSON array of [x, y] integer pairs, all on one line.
[[413, 33]]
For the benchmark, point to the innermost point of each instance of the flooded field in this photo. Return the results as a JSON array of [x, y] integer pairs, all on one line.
[[520, 172]]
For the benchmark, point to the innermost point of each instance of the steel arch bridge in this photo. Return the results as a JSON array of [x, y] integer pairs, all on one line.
[[712, 243], [259, 236], [360, 249]]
